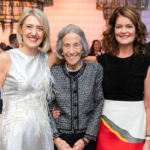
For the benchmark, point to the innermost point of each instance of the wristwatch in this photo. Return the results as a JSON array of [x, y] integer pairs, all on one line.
[[84, 141]]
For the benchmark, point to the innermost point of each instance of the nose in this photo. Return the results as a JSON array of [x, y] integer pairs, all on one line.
[[71, 49], [33, 32], [124, 30]]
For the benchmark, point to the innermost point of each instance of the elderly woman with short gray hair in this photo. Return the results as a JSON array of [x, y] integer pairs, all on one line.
[[79, 96]]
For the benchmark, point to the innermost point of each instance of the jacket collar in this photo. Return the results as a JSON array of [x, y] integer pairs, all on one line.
[[70, 76]]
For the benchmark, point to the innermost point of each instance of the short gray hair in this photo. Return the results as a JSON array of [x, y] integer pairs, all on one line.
[[45, 46], [71, 29]]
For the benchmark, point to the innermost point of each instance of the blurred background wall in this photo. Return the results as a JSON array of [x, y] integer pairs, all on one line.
[[82, 13]]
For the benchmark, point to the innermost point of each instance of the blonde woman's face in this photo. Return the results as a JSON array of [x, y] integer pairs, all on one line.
[[124, 31], [32, 32]]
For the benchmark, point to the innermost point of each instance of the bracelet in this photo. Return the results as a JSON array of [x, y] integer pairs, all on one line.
[[147, 135], [84, 141], [147, 138]]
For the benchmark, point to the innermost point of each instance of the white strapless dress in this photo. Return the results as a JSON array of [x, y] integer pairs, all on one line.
[[24, 122]]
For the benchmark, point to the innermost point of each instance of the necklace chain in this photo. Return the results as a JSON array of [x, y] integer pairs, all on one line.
[[74, 70]]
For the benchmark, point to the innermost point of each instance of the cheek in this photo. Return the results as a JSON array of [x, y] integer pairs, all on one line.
[[134, 33], [42, 35], [116, 32], [64, 52]]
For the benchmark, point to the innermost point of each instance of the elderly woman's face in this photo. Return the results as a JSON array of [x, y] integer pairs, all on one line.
[[72, 48]]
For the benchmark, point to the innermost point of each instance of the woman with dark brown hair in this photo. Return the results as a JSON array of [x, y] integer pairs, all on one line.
[[95, 48], [125, 123]]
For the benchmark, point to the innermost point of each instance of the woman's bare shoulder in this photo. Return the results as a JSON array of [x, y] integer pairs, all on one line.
[[4, 57], [5, 61]]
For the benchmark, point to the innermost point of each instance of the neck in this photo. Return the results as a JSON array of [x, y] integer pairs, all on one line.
[[125, 51], [95, 51], [29, 51], [75, 66]]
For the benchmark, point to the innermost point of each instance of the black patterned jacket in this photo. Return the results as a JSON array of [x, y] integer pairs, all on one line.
[[79, 100]]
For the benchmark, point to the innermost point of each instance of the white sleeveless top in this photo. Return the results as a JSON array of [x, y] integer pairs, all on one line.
[[24, 123]]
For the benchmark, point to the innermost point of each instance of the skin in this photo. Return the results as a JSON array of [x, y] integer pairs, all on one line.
[[33, 35], [96, 47], [125, 32], [72, 51], [125, 35]]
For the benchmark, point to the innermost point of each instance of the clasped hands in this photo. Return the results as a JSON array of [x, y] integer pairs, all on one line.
[[63, 145]]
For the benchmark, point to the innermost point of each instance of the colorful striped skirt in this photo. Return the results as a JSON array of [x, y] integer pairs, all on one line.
[[123, 126]]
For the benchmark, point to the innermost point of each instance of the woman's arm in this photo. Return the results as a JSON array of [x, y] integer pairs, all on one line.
[[54, 60], [147, 108], [90, 59], [5, 65]]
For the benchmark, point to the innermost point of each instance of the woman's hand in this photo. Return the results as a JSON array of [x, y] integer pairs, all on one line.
[[61, 144], [100, 53], [146, 145], [55, 113], [79, 145]]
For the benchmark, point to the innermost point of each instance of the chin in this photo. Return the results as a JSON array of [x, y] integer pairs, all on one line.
[[72, 62]]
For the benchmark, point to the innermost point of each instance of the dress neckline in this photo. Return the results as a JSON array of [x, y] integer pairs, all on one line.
[[125, 57], [26, 54]]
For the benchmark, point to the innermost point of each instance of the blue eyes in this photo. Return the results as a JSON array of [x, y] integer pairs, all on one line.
[[39, 28]]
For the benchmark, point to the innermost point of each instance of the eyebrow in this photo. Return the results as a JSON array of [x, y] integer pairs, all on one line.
[[126, 24], [37, 25]]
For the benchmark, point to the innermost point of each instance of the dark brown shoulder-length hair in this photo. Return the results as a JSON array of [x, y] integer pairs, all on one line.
[[109, 43], [92, 51]]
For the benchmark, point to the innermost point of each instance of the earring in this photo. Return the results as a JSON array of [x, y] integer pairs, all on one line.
[[82, 52], [62, 54]]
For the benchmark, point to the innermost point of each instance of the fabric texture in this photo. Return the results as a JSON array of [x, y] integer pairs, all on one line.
[[123, 122], [79, 100], [124, 77], [24, 123]]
